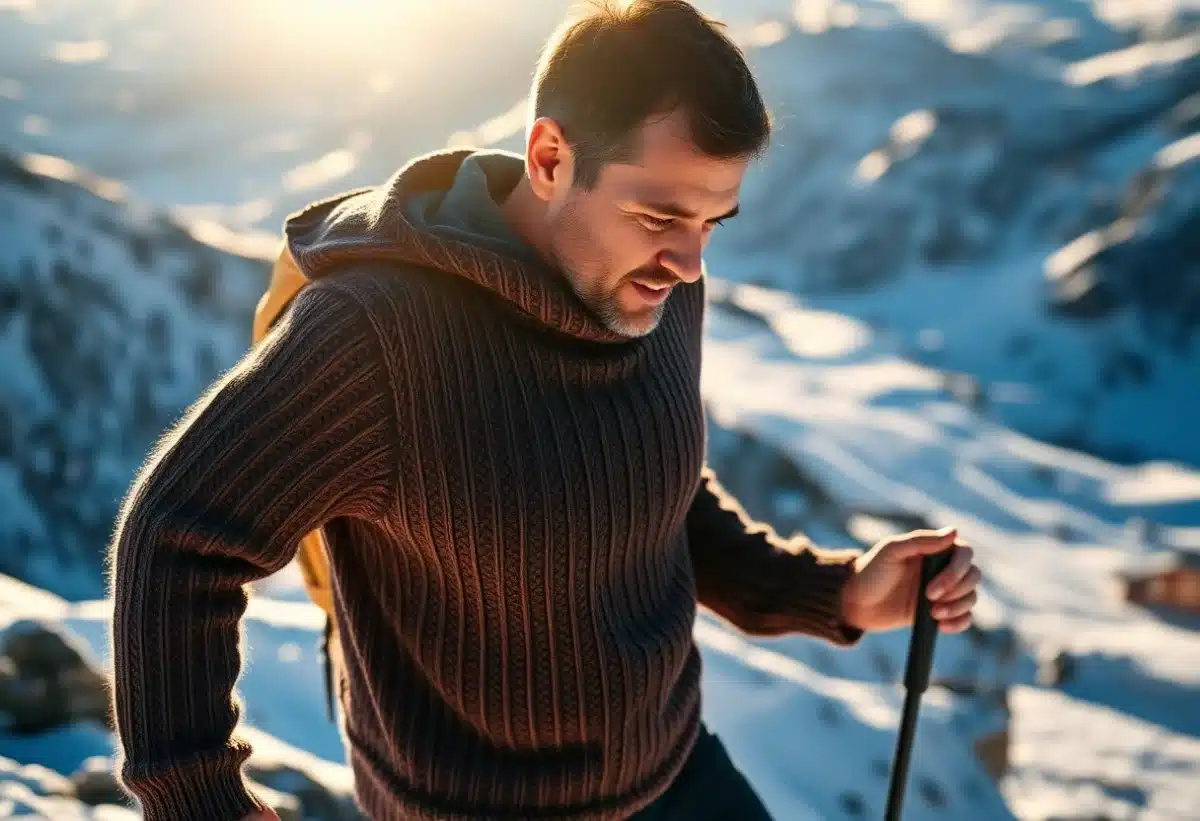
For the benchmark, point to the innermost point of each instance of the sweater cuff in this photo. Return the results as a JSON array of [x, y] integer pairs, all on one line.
[[201, 791], [810, 599]]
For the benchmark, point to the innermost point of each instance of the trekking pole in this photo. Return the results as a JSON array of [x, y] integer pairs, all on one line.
[[916, 679]]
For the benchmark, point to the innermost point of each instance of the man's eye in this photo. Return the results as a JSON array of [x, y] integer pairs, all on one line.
[[656, 223]]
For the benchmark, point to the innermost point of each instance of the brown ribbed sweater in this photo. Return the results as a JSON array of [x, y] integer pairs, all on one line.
[[520, 523]]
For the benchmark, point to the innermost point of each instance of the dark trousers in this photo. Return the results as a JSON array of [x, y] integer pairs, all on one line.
[[709, 788]]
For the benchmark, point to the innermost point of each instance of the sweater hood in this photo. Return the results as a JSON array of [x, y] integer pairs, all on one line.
[[441, 211]]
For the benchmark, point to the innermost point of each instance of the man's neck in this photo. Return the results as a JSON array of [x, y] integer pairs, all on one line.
[[525, 214]]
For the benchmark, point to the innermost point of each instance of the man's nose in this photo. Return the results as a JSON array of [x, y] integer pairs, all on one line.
[[683, 259]]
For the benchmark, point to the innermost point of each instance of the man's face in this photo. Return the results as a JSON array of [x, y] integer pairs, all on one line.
[[625, 243]]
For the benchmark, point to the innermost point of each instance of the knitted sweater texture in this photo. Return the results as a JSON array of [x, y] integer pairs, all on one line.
[[520, 519]]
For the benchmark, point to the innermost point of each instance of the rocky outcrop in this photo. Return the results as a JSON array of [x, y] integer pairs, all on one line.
[[46, 680], [35, 793], [95, 783], [314, 799], [1147, 258]]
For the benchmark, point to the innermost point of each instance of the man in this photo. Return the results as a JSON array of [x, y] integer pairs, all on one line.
[[489, 397]]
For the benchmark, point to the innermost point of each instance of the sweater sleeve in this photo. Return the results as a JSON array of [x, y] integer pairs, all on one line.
[[300, 431], [762, 584]]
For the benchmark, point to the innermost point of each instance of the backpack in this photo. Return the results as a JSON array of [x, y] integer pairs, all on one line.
[[312, 557]]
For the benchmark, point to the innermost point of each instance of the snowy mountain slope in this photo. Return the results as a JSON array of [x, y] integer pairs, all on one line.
[[816, 745], [1008, 189], [1051, 527], [112, 319], [1014, 206], [931, 159], [245, 114]]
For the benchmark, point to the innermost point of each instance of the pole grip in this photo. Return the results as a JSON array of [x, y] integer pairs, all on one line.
[[924, 636]]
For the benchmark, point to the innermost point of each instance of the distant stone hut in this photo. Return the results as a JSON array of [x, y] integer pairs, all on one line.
[[1175, 586]]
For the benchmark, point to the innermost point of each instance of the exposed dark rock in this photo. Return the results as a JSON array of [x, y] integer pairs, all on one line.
[[828, 713], [10, 299], [1081, 294], [158, 331], [1125, 367], [1019, 346], [871, 261], [95, 783], [8, 437], [140, 249], [53, 234], [11, 171], [933, 793], [1184, 118], [883, 666], [994, 752], [1044, 474], [201, 282], [46, 680], [770, 484], [1063, 532], [1056, 667], [314, 799], [1148, 258], [107, 225], [965, 389], [853, 804]]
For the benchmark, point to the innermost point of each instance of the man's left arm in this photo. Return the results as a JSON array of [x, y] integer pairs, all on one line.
[[769, 586], [763, 584]]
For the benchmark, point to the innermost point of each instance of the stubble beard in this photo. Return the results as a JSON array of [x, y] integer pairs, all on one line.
[[606, 306], [605, 302]]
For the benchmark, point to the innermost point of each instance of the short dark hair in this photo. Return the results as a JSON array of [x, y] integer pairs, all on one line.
[[608, 68]]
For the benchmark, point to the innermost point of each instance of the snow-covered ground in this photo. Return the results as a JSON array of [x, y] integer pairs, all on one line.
[[817, 745], [972, 255], [1052, 527]]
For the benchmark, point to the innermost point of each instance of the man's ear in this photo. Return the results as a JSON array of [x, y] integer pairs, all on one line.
[[549, 161]]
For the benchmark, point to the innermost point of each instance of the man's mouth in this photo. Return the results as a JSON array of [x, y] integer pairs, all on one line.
[[651, 292]]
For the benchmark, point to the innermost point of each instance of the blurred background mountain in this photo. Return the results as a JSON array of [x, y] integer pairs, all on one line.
[[965, 290]]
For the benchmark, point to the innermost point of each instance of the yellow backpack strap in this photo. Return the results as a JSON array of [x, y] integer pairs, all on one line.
[[286, 281], [313, 561], [312, 556]]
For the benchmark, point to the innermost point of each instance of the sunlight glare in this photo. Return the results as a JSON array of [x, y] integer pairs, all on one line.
[[90, 51], [374, 44]]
